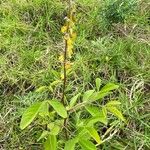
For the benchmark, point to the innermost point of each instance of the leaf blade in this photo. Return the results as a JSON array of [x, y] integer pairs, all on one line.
[[29, 115], [94, 134], [87, 145], [87, 95], [70, 144], [51, 143], [109, 87], [59, 108], [116, 112], [98, 83], [74, 100]]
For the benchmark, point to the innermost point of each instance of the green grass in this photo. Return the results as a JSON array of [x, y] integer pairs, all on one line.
[[30, 44]]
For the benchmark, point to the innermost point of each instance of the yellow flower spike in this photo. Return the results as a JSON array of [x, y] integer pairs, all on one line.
[[61, 58], [69, 42], [64, 29], [68, 65], [66, 36], [70, 50], [73, 36]]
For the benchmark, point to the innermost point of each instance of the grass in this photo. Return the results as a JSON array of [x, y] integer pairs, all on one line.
[[30, 44]]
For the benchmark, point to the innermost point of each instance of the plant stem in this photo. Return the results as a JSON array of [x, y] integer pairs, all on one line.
[[65, 71], [65, 56], [65, 75]]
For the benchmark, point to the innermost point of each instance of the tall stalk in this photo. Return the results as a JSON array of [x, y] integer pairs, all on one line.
[[69, 37]]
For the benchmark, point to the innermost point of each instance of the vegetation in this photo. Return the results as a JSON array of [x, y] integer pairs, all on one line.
[[65, 92]]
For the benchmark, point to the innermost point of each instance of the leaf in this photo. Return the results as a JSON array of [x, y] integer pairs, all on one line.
[[70, 145], [59, 108], [94, 134], [44, 109], [98, 95], [87, 145], [51, 143], [29, 115], [50, 125], [43, 135], [42, 89], [93, 110], [82, 132], [87, 95], [55, 130], [74, 100], [98, 83], [109, 87], [104, 113], [90, 122], [113, 103], [116, 112]]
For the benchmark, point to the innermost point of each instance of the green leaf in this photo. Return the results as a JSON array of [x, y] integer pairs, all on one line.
[[29, 115], [87, 95], [70, 145], [98, 83], [98, 115], [94, 134], [55, 130], [44, 109], [109, 87], [113, 103], [98, 95], [74, 100], [93, 110], [59, 108], [51, 143], [116, 112], [87, 145], [90, 122], [82, 132], [43, 135], [104, 113], [41, 89]]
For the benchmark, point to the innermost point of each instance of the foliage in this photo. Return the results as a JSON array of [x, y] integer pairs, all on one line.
[[30, 73], [116, 11], [56, 125]]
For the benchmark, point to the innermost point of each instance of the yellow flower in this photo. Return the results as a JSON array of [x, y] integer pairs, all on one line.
[[68, 65], [70, 51], [61, 58], [64, 29]]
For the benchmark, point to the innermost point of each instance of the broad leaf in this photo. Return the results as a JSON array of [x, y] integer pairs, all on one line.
[[44, 109], [116, 112], [29, 115], [109, 87], [43, 135], [98, 95], [51, 143], [55, 130], [113, 103], [42, 89], [74, 100], [93, 110], [82, 132], [87, 145], [98, 83], [59, 108], [94, 134], [98, 115], [87, 95], [90, 122], [70, 145]]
